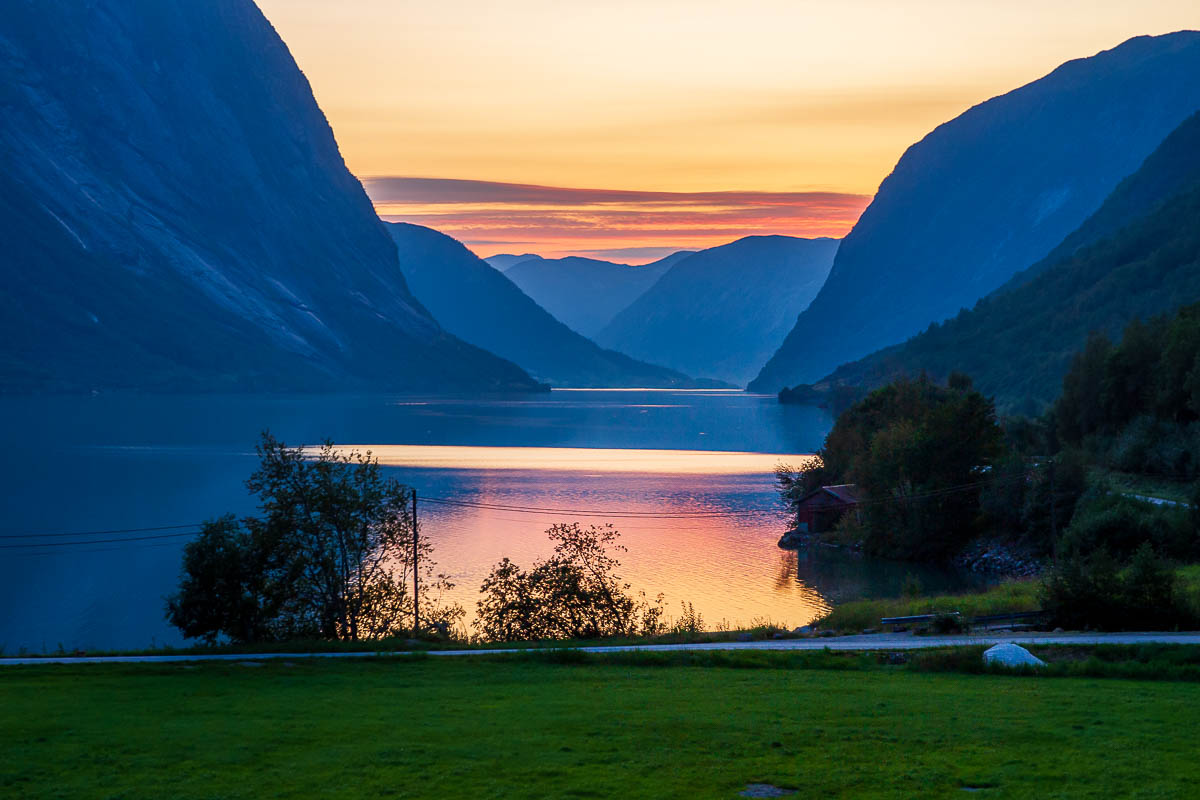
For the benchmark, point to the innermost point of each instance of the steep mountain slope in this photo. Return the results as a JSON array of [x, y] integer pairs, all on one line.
[[586, 293], [480, 305], [722, 312], [1018, 342], [987, 194], [506, 261], [176, 216]]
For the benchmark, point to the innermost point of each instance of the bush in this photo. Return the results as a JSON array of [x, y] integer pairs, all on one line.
[[690, 622], [1153, 446], [1120, 524], [574, 594], [948, 623], [1090, 591], [1082, 591]]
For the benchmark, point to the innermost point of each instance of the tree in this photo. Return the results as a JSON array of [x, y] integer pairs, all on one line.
[[331, 555], [229, 584], [919, 454], [1079, 410], [573, 594]]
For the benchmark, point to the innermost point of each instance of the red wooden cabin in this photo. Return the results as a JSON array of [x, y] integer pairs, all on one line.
[[820, 509]]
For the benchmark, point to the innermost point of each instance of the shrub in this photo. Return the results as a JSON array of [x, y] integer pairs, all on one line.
[[1122, 523], [574, 594], [948, 623], [1089, 591], [690, 622], [1082, 591]]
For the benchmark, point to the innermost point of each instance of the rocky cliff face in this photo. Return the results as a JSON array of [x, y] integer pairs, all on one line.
[[987, 194], [176, 216]]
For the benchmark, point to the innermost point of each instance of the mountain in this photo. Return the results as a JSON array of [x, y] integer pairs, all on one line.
[[987, 194], [477, 303], [177, 216], [586, 293], [1137, 256], [505, 261], [722, 312]]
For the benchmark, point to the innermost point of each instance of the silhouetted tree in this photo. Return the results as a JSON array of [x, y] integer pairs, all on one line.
[[331, 555], [573, 594]]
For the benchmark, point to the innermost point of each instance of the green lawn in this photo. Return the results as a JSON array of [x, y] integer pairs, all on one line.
[[482, 728]]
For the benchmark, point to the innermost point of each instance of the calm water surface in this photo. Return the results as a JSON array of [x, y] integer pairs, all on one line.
[[685, 476]]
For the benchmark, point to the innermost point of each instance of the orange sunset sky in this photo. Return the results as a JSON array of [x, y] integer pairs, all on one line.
[[628, 130]]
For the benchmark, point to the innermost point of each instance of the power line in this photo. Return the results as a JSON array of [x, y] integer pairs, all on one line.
[[89, 542], [500, 507], [99, 533], [595, 512]]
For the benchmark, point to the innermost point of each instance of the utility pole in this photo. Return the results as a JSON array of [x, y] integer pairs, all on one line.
[[1053, 509], [416, 555]]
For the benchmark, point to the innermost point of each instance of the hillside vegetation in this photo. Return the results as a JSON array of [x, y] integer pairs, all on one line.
[[1017, 344], [988, 194]]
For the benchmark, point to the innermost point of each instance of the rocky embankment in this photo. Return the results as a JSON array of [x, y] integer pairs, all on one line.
[[999, 558]]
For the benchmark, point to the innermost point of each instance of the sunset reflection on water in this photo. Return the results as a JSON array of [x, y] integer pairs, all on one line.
[[699, 526]]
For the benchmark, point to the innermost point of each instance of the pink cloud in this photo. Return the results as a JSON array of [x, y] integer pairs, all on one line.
[[637, 225]]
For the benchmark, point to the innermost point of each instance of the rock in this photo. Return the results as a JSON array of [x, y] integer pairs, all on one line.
[[805, 630], [1058, 630], [792, 540], [1011, 655], [765, 790], [744, 637]]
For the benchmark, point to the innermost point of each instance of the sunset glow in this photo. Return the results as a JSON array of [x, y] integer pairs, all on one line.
[[628, 226], [576, 459], [760, 98]]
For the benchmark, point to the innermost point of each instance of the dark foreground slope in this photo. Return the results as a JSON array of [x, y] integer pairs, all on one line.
[[176, 215], [988, 194], [1138, 255], [477, 303], [722, 312], [586, 293]]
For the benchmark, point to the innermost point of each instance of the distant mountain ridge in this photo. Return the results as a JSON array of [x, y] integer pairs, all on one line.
[[586, 293], [505, 261], [477, 303], [988, 194], [722, 312], [1136, 256], [177, 216]]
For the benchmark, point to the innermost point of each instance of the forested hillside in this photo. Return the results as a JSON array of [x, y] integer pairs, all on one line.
[[1017, 343]]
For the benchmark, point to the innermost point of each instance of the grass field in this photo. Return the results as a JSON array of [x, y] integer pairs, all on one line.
[[1006, 598], [527, 727]]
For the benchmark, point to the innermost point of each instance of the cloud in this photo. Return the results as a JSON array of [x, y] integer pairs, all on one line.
[[639, 225]]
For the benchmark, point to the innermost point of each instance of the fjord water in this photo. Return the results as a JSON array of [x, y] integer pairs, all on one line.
[[684, 475]]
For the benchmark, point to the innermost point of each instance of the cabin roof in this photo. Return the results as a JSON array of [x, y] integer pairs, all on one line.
[[844, 493]]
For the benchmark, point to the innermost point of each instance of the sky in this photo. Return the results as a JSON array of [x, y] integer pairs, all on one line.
[[632, 129]]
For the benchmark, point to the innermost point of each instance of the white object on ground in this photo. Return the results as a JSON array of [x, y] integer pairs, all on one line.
[[1011, 655]]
